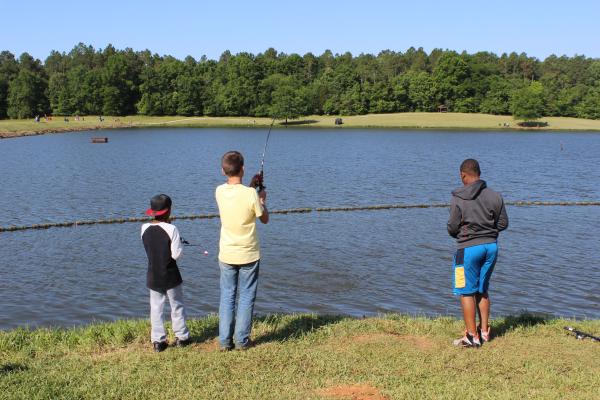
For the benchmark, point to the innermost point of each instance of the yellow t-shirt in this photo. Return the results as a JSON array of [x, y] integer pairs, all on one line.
[[239, 207]]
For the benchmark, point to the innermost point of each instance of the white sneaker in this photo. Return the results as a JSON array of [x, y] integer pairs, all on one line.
[[468, 340], [485, 335]]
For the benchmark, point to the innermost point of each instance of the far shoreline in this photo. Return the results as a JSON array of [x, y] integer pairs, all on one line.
[[403, 121]]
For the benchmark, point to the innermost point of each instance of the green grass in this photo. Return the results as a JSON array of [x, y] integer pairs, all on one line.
[[11, 128], [305, 357]]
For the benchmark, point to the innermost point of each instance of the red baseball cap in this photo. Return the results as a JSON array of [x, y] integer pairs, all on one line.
[[159, 205]]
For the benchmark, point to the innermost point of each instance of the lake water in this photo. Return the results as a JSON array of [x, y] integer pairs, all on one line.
[[356, 263]]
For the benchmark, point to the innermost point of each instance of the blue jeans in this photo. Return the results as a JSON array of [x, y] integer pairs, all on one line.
[[238, 327]]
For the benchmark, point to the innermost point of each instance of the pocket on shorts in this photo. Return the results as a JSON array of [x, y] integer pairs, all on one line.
[[459, 277], [459, 269]]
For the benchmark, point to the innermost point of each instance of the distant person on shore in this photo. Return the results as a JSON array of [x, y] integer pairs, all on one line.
[[477, 215], [239, 252], [163, 247]]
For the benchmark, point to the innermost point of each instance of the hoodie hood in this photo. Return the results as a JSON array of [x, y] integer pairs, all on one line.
[[471, 191]]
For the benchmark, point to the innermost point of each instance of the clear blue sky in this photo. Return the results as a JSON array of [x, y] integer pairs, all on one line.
[[181, 28]]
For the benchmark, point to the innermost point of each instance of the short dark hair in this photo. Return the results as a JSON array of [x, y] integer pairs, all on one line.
[[163, 218], [232, 163], [470, 167]]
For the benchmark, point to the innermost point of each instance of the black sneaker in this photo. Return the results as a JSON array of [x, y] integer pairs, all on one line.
[[182, 343], [159, 346], [244, 346], [224, 349]]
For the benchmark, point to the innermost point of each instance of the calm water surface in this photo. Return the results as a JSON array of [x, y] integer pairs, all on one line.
[[357, 263]]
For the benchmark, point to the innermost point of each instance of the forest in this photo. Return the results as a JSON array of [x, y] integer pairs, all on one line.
[[89, 81]]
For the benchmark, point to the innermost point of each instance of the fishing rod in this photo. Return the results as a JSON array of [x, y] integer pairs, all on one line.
[[582, 335], [188, 244], [258, 181]]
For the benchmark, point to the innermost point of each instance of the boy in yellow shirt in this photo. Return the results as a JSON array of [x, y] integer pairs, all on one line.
[[239, 252]]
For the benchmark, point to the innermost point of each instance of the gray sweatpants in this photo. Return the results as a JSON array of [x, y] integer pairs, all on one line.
[[157, 317]]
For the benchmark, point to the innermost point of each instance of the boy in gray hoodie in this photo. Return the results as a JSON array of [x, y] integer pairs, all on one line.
[[477, 215]]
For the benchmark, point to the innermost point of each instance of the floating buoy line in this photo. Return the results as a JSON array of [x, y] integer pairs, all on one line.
[[73, 224]]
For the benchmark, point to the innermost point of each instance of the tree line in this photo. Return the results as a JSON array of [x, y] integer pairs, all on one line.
[[89, 81]]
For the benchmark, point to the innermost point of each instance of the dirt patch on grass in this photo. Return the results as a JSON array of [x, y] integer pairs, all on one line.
[[420, 342], [352, 392], [210, 345]]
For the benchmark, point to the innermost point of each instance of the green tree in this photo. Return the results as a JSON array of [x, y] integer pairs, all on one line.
[[120, 92], [159, 89], [286, 103], [589, 107], [9, 68], [88, 89], [527, 103], [112, 81], [417, 60], [497, 98], [112, 101], [421, 91], [190, 95], [449, 80], [235, 85], [314, 96], [61, 98], [563, 102], [84, 87], [352, 102], [27, 91], [400, 91]]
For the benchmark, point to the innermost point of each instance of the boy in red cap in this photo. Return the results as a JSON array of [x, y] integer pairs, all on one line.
[[163, 247]]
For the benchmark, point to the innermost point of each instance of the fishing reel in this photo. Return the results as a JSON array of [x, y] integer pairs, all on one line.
[[258, 182]]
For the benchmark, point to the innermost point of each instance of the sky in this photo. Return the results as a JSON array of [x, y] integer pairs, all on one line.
[[196, 28]]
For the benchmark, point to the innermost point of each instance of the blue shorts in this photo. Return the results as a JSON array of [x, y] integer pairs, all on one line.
[[473, 267]]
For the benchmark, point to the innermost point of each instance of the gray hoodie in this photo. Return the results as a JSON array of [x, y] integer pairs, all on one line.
[[477, 215]]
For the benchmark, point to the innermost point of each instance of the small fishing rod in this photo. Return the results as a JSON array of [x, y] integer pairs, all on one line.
[[188, 244], [582, 335], [258, 180]]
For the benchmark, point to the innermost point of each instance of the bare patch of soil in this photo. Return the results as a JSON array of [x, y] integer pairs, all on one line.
[[352, 392]]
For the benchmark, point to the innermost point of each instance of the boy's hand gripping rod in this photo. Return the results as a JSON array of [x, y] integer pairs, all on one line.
[[258, 181]]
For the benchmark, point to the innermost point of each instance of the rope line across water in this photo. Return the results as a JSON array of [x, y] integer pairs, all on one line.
[[70, 224]]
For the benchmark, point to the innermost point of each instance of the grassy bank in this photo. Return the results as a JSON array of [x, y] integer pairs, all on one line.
[[12, 128], [305, 357]]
